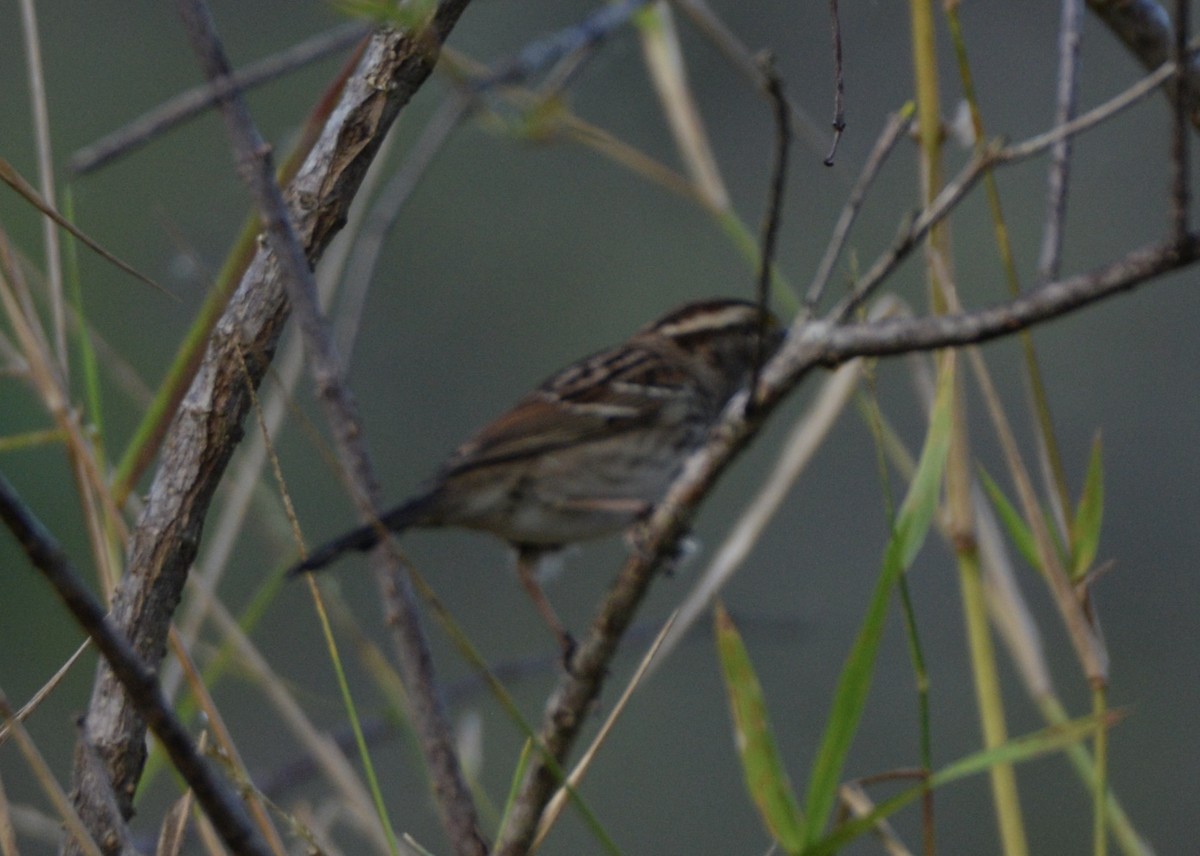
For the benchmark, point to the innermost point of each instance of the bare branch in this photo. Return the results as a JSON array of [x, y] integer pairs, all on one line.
[[1145, 28], [1060, 152], [893, 132], [771, 219], [220, 802], [1181, 184], [416, 664], [187, 105], [207, 427], [839, 89]]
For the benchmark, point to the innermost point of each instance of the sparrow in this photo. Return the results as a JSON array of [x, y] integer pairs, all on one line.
[[590, 451]]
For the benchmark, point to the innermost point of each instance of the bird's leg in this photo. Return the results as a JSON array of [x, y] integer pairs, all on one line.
[[527, 566]]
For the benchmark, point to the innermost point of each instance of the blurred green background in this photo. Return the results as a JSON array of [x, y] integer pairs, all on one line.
[[512, 259]]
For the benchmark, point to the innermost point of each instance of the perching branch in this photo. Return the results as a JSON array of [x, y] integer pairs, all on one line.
[[810, 344]]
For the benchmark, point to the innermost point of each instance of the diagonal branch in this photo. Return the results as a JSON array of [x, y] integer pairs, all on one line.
[[111, 750], [416, 664], [218, 799]]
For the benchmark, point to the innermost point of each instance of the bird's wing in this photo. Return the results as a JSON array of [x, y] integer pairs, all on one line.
[[613, 391]]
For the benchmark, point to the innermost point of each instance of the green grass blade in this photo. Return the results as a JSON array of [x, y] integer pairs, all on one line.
[[1054, 738], [912, 525], [1014, 523], [360, 740], [766, 779], [1085, 528], [87, 354]]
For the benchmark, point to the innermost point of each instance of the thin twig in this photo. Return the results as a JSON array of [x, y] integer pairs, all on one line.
[[743, 60], [139, 680], [894, 131], [770, 228], [1032, 307], [1060, 153], [1181, 184], [1145, 29], [839, 86], [544, 53], [187, 105], [416, 664]]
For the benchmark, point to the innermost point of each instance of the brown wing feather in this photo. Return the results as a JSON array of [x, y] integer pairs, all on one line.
[[614, 391]]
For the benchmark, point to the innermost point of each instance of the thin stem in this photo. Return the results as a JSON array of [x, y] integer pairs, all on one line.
[[186, 105], [1100, 807], [1057, 177], [893, 131], [45, 159], [1181, 184], [990, 702], [839, 87], [771, 220]]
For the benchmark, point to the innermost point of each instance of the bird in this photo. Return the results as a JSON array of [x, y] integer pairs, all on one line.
[[591, 450]]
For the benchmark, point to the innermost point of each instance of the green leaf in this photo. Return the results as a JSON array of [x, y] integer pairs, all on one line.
[[1051, 739], [1085, 528], [912, 525], [766, 780], [1014, 523]]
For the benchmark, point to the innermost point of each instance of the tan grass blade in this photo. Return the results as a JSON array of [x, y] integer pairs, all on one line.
[[559, 801], [49, 785], [174, 827], [664, 59], [23, 188], [30, 706], [8, 835]]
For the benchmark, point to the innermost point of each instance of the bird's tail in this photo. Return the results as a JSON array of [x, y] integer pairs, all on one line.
[[364, 537]]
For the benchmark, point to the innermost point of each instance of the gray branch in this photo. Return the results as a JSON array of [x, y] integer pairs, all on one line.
[[207, 427], [257, 170]]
